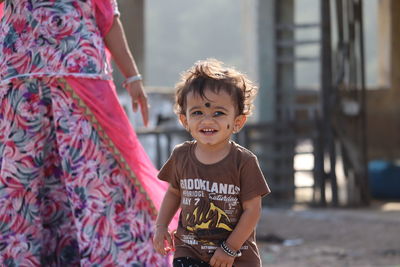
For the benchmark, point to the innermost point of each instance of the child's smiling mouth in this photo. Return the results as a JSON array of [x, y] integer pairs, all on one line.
[[208, 131]]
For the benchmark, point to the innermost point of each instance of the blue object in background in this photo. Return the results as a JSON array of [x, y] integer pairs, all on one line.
[[384, 179]]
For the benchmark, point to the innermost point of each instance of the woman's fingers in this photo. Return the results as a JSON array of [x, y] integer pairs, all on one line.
[[144, 109], [139, 99], [134, 105]]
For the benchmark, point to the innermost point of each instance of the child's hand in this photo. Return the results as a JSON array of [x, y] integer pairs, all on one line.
[[220, 258], [163, 240]]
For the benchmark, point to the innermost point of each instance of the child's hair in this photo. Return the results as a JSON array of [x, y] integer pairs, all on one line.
[[212, 75]]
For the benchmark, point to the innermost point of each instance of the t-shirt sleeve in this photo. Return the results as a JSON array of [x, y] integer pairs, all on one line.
[[115, 7], [168, 171], [252, 180]]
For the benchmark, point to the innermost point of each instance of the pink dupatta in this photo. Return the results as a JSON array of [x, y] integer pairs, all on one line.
[[1, 10]]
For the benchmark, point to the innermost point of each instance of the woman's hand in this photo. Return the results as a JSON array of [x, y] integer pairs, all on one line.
[[163, 240], [221, 259], [139, 98]]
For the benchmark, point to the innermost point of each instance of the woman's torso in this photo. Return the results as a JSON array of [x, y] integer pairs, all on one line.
[[54, 38]]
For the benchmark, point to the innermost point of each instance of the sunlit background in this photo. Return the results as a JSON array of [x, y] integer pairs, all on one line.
[[326, 123]]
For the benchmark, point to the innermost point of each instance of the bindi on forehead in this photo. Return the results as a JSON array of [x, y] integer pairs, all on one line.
[[207, 104]]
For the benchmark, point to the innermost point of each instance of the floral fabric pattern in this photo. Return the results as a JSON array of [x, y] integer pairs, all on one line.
[[52, 38], [64, 199]]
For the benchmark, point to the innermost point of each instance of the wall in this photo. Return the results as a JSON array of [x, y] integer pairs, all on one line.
[[383, 105]]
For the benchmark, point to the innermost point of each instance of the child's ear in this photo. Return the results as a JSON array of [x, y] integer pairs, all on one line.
[[239, 123], [183, 121]]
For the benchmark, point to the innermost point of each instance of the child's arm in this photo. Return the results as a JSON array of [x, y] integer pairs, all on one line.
[[169, 206], [247, 223]]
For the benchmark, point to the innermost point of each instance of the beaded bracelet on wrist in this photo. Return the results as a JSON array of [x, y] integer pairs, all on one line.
[[229, 251]]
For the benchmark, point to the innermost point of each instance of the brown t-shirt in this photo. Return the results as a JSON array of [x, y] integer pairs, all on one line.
[[211, 200]]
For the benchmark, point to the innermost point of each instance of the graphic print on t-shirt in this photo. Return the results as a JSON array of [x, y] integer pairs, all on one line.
[[209, 209]]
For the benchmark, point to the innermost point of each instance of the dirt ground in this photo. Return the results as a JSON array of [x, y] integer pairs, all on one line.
[[304, 237]]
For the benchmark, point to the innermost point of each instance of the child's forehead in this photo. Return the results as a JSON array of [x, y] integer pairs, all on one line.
[[209, 99], [207, 95]]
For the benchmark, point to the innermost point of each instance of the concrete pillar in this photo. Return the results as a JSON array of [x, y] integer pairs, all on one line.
[[249, 38], [266, 60], [276, 90], [389, 41], [285, 80], [384, 42], [276, 80]]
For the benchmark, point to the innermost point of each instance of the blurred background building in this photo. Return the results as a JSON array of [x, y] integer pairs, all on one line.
[[326, 128]]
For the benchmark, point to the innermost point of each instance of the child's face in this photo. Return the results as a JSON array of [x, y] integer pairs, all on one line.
[[211, 120]]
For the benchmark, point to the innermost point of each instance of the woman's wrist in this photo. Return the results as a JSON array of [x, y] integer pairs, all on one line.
[[133, 78]]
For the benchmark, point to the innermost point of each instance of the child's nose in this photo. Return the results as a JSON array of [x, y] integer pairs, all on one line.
[[208, 117]]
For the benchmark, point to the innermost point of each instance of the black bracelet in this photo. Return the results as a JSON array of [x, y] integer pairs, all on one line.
[[229, 251]]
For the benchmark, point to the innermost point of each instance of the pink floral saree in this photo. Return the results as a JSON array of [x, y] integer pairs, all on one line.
[[76, 186]]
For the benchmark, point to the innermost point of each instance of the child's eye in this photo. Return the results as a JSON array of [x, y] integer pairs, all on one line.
[[196, 113], [218, 113]]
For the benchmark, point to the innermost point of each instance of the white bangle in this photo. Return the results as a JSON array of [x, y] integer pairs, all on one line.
[[134, 78]]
